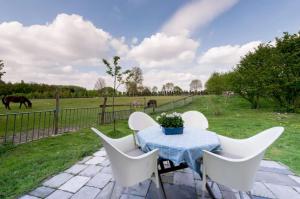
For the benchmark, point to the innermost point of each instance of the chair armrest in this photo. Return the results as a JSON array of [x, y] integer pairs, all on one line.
[[232, 146], [124, 144]]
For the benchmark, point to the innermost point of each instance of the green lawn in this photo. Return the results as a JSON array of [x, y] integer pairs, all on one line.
[[23, 167], [87, 114]]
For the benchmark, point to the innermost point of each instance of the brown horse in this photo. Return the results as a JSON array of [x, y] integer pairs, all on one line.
[[16, 99]]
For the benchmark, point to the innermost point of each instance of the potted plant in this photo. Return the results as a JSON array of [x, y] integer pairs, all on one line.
[[171, 123]]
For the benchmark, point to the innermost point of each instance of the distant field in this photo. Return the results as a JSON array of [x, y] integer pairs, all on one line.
[[48, 104], [74, 113]]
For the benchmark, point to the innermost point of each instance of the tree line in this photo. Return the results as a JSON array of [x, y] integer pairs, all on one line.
[[132, 81], [270, 72]]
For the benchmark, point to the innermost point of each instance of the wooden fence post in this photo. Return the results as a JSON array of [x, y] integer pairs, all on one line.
[[56, 112], [103, 110]]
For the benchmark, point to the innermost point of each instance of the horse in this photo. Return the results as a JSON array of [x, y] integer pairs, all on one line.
[[16, 99], [152, 103]]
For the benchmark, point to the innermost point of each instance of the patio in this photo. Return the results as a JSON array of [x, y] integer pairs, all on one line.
[[92, 178]]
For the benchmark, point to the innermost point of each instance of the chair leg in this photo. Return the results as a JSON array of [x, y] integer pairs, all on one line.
[[250, 194], [241, 195], [162, 189], [203, 182]]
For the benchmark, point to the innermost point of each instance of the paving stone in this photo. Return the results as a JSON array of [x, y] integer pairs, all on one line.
[[100, 153], [295, 178], [180, 191], [297, 189], [75, 169], [275, 170], [260, 189], [125, 196], [140, 189], [28, 197], [74, 184], [168, 178], [181, 178], [85, 159], [42, 192], [106, 191], [100, 180], [216, 190], [105, 163], [58, 180], [154, 192], [229, 195], [86, 193], [107, 170], [224, 188], [283, 192], [272, 164], [95, 160], [59, 194], [117, 191], [275, 178], [91, 170]]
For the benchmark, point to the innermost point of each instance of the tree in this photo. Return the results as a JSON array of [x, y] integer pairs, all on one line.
[[100, 84], [115, 71], [195, 85], [1, 72], [169, 87], [154, 90], [219, 82], [177, 90], [251, 74], [134, 82], [285, 78]]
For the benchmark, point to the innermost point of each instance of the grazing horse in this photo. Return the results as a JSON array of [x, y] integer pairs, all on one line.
[[16, 99], [152, 103]]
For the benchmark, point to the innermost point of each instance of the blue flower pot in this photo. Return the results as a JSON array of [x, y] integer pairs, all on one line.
[[172, 131]]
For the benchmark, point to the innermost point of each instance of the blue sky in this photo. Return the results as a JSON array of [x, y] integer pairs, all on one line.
[[185, 39]]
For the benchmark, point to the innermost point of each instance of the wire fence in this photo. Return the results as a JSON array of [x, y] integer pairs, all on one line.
[[24, 127]]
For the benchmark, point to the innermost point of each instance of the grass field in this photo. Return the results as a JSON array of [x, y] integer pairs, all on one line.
[[75, 112], [23, 167], [49, 104]]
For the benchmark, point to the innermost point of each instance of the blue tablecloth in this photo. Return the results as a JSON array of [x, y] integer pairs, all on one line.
[[187, 147]]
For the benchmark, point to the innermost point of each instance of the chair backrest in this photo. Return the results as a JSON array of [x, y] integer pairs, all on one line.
[[138, 121], [195, 119], [127, 170]]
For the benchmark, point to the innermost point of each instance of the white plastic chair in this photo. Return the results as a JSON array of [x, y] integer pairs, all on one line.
[[195, 119], [237, 164], [130, 165], [138, 121]]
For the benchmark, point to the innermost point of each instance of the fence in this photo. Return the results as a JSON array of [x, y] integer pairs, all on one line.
[[24, 127]]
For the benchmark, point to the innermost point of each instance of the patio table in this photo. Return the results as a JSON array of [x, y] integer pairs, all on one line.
[[183, 148]]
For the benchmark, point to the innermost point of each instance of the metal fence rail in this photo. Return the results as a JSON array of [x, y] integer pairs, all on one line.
[[24, 127]]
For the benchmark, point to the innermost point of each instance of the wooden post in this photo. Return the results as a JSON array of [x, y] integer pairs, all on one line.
[[103, 110], [56, 112]]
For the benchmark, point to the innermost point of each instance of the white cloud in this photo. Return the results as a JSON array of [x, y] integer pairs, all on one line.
[[223, 58], [160, 77], [163, 50], [54, 52], [195, 15]]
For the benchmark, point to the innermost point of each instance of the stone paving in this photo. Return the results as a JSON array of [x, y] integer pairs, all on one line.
[[91, 178]]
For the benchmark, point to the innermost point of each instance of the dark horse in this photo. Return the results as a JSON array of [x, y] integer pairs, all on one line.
[[16, 99], [152, 103]]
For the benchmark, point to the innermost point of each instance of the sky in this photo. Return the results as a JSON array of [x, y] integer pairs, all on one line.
[[64, 41]]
